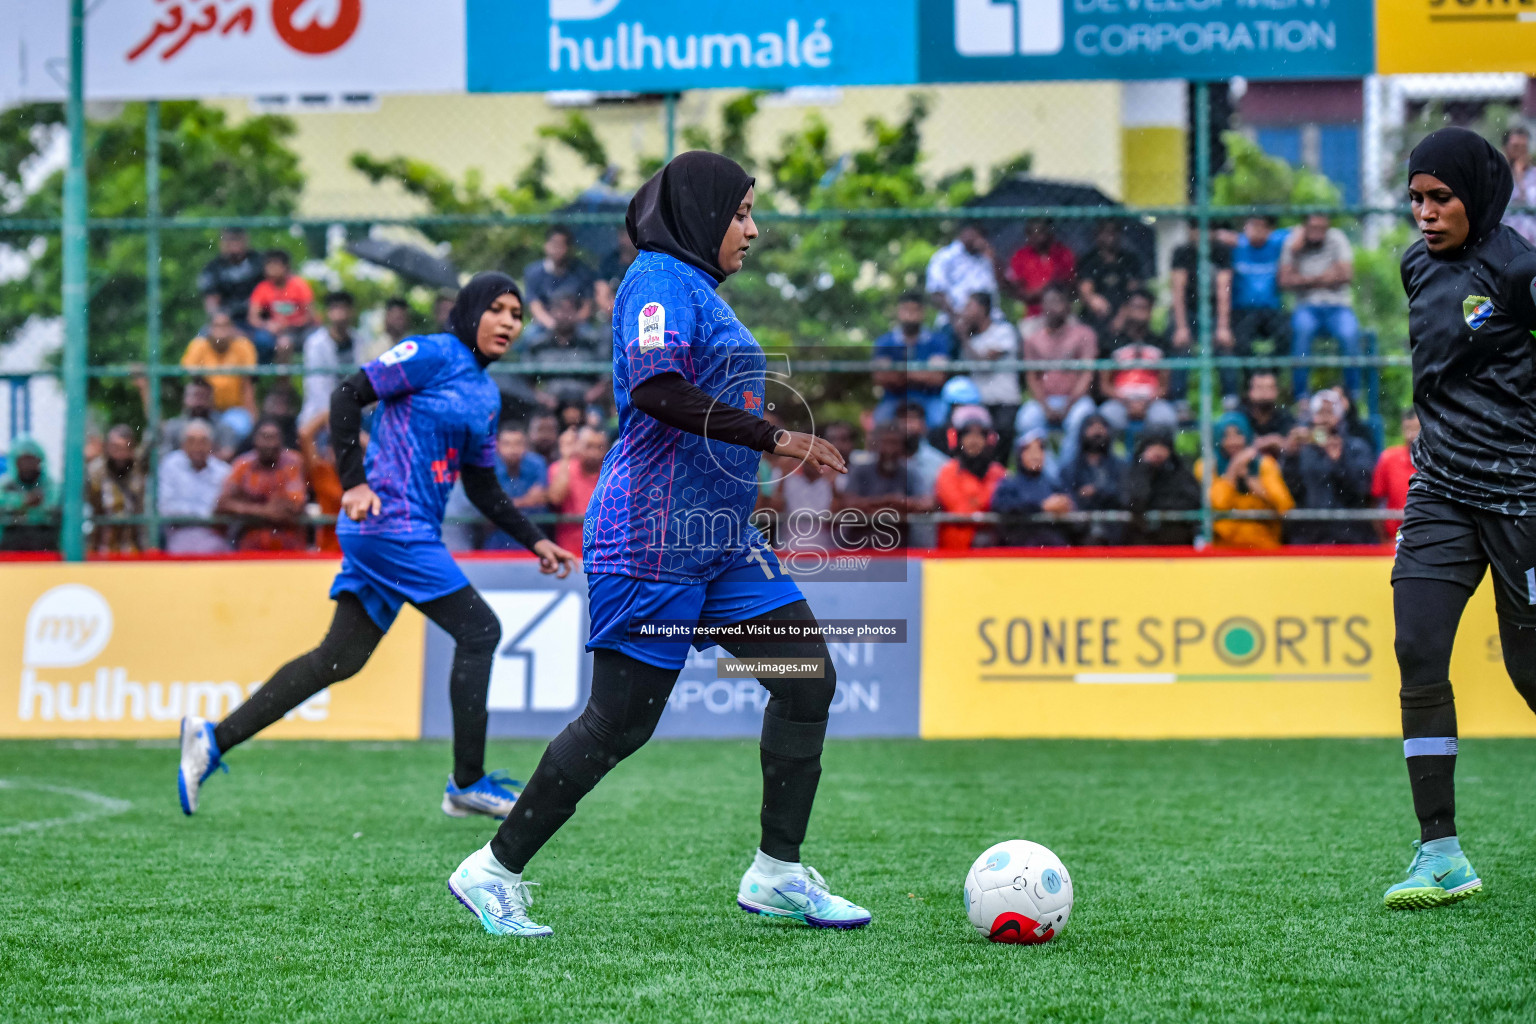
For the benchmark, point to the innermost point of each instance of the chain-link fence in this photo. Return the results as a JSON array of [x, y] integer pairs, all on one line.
[[1127, 320]]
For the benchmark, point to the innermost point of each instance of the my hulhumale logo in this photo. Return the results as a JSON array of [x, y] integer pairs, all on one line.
[[627, 46], [69, 628]]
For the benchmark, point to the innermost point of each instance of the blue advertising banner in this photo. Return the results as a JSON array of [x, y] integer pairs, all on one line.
[[666, 46], [542, 673], [1003, 40]]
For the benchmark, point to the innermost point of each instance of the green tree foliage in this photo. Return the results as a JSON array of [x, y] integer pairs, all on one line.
[[210, 167], [1253, 178]]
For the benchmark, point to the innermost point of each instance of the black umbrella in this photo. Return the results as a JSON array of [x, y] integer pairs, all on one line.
[[408, 261]]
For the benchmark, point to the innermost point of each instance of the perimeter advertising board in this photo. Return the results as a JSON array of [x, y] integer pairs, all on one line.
[[665, 46], [542, 673], [124, 651], [1184, 647], [1038, 40], [1447, 36]]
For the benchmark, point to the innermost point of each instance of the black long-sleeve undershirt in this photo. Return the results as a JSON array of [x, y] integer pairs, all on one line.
[[677, 403], [480, 484], [349, 399], [486, 493]]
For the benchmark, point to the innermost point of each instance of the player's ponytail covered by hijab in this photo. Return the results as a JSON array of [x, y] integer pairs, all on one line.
[[685, 209], [1471, 287], [473, 302]]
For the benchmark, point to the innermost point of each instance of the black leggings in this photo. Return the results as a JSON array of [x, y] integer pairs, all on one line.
[[347, 646], [1427, 613], [628, 697]]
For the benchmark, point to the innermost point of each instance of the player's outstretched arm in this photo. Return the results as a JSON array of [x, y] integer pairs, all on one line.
[[677, 403], [487, 495]]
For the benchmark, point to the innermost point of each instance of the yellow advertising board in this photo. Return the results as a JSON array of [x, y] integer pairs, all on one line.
[[1184, 647], [1435, 36], [124, 650]]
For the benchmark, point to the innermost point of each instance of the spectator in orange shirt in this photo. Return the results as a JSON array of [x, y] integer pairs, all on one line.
[[572, 481], [265, 489], [966, 483], [234, 397], [324, 481], [1040, 261], [1389, 484], [1246, 480], [282, 304]]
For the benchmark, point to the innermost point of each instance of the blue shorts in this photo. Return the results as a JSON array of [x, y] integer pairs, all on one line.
[[386, 571], [619, 604]]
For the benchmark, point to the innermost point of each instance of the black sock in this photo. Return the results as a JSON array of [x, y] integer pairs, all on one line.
[[1427, 614], [342, 654], [791, 759]]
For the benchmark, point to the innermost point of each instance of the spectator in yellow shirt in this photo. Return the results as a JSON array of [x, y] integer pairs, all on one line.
[[1246, 479], [234, 396]]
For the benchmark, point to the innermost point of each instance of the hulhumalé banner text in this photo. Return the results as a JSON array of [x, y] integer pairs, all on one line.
[[1448, 36], [1185, 647], [123, 651], [1039, 40], [666, 46]]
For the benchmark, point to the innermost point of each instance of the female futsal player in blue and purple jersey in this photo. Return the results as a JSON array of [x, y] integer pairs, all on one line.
[[668, 543], [438, 411]]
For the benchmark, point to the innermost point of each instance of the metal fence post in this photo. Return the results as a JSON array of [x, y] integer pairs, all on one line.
[[671, 115], [1203, 317], [76, 325], [152, 317]]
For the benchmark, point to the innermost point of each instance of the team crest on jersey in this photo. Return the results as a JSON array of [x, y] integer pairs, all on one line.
[[653, 326], [1476, 309], [399, 354]]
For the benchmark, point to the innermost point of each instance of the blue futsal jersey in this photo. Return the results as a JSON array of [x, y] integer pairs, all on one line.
[[437, 410], [670, 505]]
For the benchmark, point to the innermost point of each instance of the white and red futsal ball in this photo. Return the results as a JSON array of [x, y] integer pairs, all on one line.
[[1018, 892]]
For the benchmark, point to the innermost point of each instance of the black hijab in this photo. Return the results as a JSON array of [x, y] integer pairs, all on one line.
[[1474, 171], [474, 299], [686, 207]]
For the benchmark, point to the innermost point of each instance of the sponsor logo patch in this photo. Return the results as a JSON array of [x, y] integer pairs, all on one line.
[[1476, 309], [399, 354], [653, 326]]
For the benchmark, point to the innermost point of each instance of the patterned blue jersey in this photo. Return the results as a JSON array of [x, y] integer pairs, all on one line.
[[437, 410], [670, 505]]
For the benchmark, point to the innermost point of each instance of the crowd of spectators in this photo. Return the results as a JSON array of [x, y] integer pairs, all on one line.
[[1014, 458]]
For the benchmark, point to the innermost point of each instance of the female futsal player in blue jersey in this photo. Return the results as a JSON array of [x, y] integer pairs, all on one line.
[[668, 544], [436, 424]]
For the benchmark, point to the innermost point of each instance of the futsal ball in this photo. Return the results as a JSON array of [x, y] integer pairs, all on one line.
[[1018, 892]]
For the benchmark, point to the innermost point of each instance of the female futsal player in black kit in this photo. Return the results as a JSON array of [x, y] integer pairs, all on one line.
[[1471, 285]]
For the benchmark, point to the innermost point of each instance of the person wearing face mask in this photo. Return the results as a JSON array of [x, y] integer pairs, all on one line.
[[1158, 481], [1034, 489], [436, 424], [1095, 480], [966, 483], [1471, 285], [668, 546], [114, 486]]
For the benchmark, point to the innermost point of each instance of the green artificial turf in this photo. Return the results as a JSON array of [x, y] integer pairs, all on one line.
[[1215, 881]]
